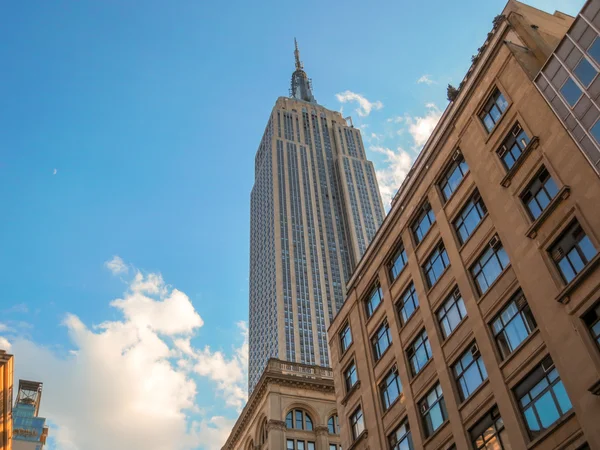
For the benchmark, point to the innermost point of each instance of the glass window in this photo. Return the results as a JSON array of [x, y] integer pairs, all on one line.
[[513, 324], [299, 420], [381, 341], [332, 447], [419, 353], [310, 446], [572, 251], [345, 337], [401, 438], [333, 424], [585, 72], [489, 433], [290, 444], [433, 410], [540, 192], [350, 376], [435, 264], [513, 146], [594, 50], [373, 300], [570, 91], [490, 265], [300, 445], [469, 217], [407, 304], [357, 424], [451, 313], [592, 320], [390, 388], [423, 222], [469, 372], [595, 130], [453, 175], [493, 110], [398, 262], [542, 398]]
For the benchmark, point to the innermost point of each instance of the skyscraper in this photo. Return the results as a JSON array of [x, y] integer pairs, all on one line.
[[315, 206], [29, 430]]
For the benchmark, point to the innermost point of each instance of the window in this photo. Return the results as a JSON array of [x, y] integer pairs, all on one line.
[[373, 300], [493, 110], [264, 432], [345, 337], [333, 424], [299, 420], [423, 222], [401, 438], [350, 376], [570, 91], [469, 372], [542, 398], [490, 265], [451, 313], [398, 262], [489, 432], [585, 72], [332, 447], [513, 146], [594, 50], [357, 424], [469, 217], [453, 175], [381, 341], [407, 304], [595, 130], [592, 320], [433, 410], [572, 251], [435, 264], [390, 388], [513, 324], [299, 445], [419, 353], [539, 193]]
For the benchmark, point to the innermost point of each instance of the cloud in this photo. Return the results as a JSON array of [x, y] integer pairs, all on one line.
[[426, 79], [55, 171], [420, 128], [390, 177], [4, 344], [116, 265], [395, 119], [364, 106], [131, 382]]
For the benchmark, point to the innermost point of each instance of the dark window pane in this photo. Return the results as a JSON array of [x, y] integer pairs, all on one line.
[[594, 50], [571, 92], [585, 72]]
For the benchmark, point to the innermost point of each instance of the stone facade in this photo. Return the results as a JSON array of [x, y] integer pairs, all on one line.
[[6, 396], [488, 324]]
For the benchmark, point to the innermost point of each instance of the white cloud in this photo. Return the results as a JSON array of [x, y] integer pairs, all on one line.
[[4, 344], [130, 382], [364, 106], [116, 265], [395, 119], [420, 128], [390, 177], [426, 79], [55, 171]]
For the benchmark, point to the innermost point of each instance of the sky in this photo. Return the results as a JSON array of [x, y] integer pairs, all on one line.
[[128, 131]]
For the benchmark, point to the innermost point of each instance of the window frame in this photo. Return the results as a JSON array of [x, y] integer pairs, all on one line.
[[430, 262], [344, 332], [460, 368], [455, 165], [558, 254], [591, 319], [307, 422], [425, 211], [354, 422], [528, 194], [523, 313], [443, 312], [508, 145], [386, 401], [395, 442], [376, 339], [495, 245], [491, 101], [421, 340], [346, 372], [409, 294], [479, 430], [369, 307], [424, 412], [564, 97], [336, 424], [474, 202], [399, 254]]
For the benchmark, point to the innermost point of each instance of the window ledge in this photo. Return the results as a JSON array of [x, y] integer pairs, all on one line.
[[564, 296], [550, 430], [533, 143], [359, 438], [595, 388], [563, 194], [350, 392]]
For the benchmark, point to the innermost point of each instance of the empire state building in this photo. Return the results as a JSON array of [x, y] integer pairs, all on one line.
[[315, 206]]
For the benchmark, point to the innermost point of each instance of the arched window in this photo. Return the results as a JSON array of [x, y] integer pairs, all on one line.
[[264, 432], [333, 424], [299, 419]]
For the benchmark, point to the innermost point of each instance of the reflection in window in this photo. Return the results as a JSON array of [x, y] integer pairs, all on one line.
[[423, 222], [345, 337], [572, 251], [357, 423], [453, 175], [419, 353], [489, 433], [513, 324], [595, 131], [585, 72], [433, 410], [435, 264], [451, 313], [540, 192], [513, 146], [594, 50], [542, 398], [333, 424], [469, 372], [490, 265], [592, 320], [298, 419], [570, 91], [350, 376], [398, 262], [493, 110], [407, 304], [390, 388], [373, 300], [469, 217], [381, 341], [401, 439]]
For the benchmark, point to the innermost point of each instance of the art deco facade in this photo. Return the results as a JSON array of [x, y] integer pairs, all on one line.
[[473, 318], [315, 206], [6, 394]]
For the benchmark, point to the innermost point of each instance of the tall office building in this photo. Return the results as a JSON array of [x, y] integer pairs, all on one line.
[[6, 392], [29, 430], [315, 206]]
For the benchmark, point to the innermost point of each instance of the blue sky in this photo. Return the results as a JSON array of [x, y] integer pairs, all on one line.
[[128, 130]]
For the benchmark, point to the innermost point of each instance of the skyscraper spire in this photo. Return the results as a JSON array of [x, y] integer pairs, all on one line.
[[301, 85]]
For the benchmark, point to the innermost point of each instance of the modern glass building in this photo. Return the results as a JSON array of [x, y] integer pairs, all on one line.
[[29, 430], [315, 206]]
